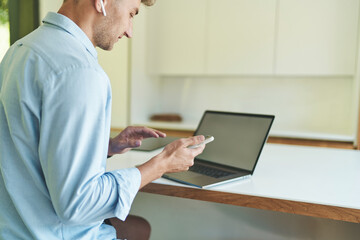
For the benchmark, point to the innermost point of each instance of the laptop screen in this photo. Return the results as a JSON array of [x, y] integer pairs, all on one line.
[[239, 138]]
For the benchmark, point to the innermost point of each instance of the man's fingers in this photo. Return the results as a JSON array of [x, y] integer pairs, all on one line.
[[143, 132], [198, 150], [134, 143], [148, 132], [161, 134], [194, 140]]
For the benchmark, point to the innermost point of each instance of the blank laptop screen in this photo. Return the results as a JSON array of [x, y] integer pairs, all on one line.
[[239, 138]]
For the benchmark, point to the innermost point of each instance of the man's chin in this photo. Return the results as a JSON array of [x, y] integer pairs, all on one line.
[[107, 47]]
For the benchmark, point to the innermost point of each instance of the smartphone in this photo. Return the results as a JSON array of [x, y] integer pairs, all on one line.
[[207, 140]]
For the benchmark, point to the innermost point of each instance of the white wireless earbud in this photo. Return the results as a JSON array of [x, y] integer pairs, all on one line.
[[103, 8]]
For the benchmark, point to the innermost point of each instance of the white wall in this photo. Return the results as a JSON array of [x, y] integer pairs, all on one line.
[[321, 107], [47, 6], [115, 63]]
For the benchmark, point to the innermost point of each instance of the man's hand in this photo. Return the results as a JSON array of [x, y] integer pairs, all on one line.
[[131, 137], [175, 157]]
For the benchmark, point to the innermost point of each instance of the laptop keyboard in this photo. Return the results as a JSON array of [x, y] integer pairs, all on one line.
[[209, 171]]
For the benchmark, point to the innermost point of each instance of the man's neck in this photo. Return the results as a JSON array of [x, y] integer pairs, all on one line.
[[81, 14]]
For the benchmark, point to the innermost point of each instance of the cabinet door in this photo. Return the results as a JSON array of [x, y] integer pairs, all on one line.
[[241, 36], [317, 37], [176, 37]]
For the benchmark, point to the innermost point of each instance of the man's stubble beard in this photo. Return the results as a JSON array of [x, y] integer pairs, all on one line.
[[102, 38]]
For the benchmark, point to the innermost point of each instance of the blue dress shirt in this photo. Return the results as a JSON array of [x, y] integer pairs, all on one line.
[[55, 103]]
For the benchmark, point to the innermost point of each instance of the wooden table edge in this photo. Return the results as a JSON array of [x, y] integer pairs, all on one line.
[[264, 203]]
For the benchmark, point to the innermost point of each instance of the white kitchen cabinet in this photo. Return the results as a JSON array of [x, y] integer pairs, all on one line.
[[197, 37], [317, 37], [253, 37], [176, 37], [241, 35]]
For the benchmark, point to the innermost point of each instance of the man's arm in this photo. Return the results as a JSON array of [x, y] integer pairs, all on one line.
[[175, 157], [73, 145]]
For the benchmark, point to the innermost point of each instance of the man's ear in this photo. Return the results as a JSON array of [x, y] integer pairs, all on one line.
[[99, 8]]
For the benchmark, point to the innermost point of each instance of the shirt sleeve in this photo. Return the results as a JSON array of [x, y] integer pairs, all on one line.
[[73, 144]]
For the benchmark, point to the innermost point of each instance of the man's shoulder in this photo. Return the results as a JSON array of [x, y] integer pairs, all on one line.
[[58, 48]]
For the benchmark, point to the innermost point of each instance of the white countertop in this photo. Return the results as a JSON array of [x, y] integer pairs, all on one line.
[[297, 173]]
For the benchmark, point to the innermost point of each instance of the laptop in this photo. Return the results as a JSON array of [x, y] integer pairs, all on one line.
[[233, 155]]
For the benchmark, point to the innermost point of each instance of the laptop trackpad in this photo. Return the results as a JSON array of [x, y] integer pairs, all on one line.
[[192, 178]]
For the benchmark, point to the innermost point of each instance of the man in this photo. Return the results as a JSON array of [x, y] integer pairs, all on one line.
[[55, 103]]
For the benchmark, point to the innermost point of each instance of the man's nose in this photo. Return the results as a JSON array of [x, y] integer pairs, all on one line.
[[129, 31]]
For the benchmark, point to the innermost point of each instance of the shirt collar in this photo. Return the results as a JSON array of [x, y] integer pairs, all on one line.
[[69, 26]]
